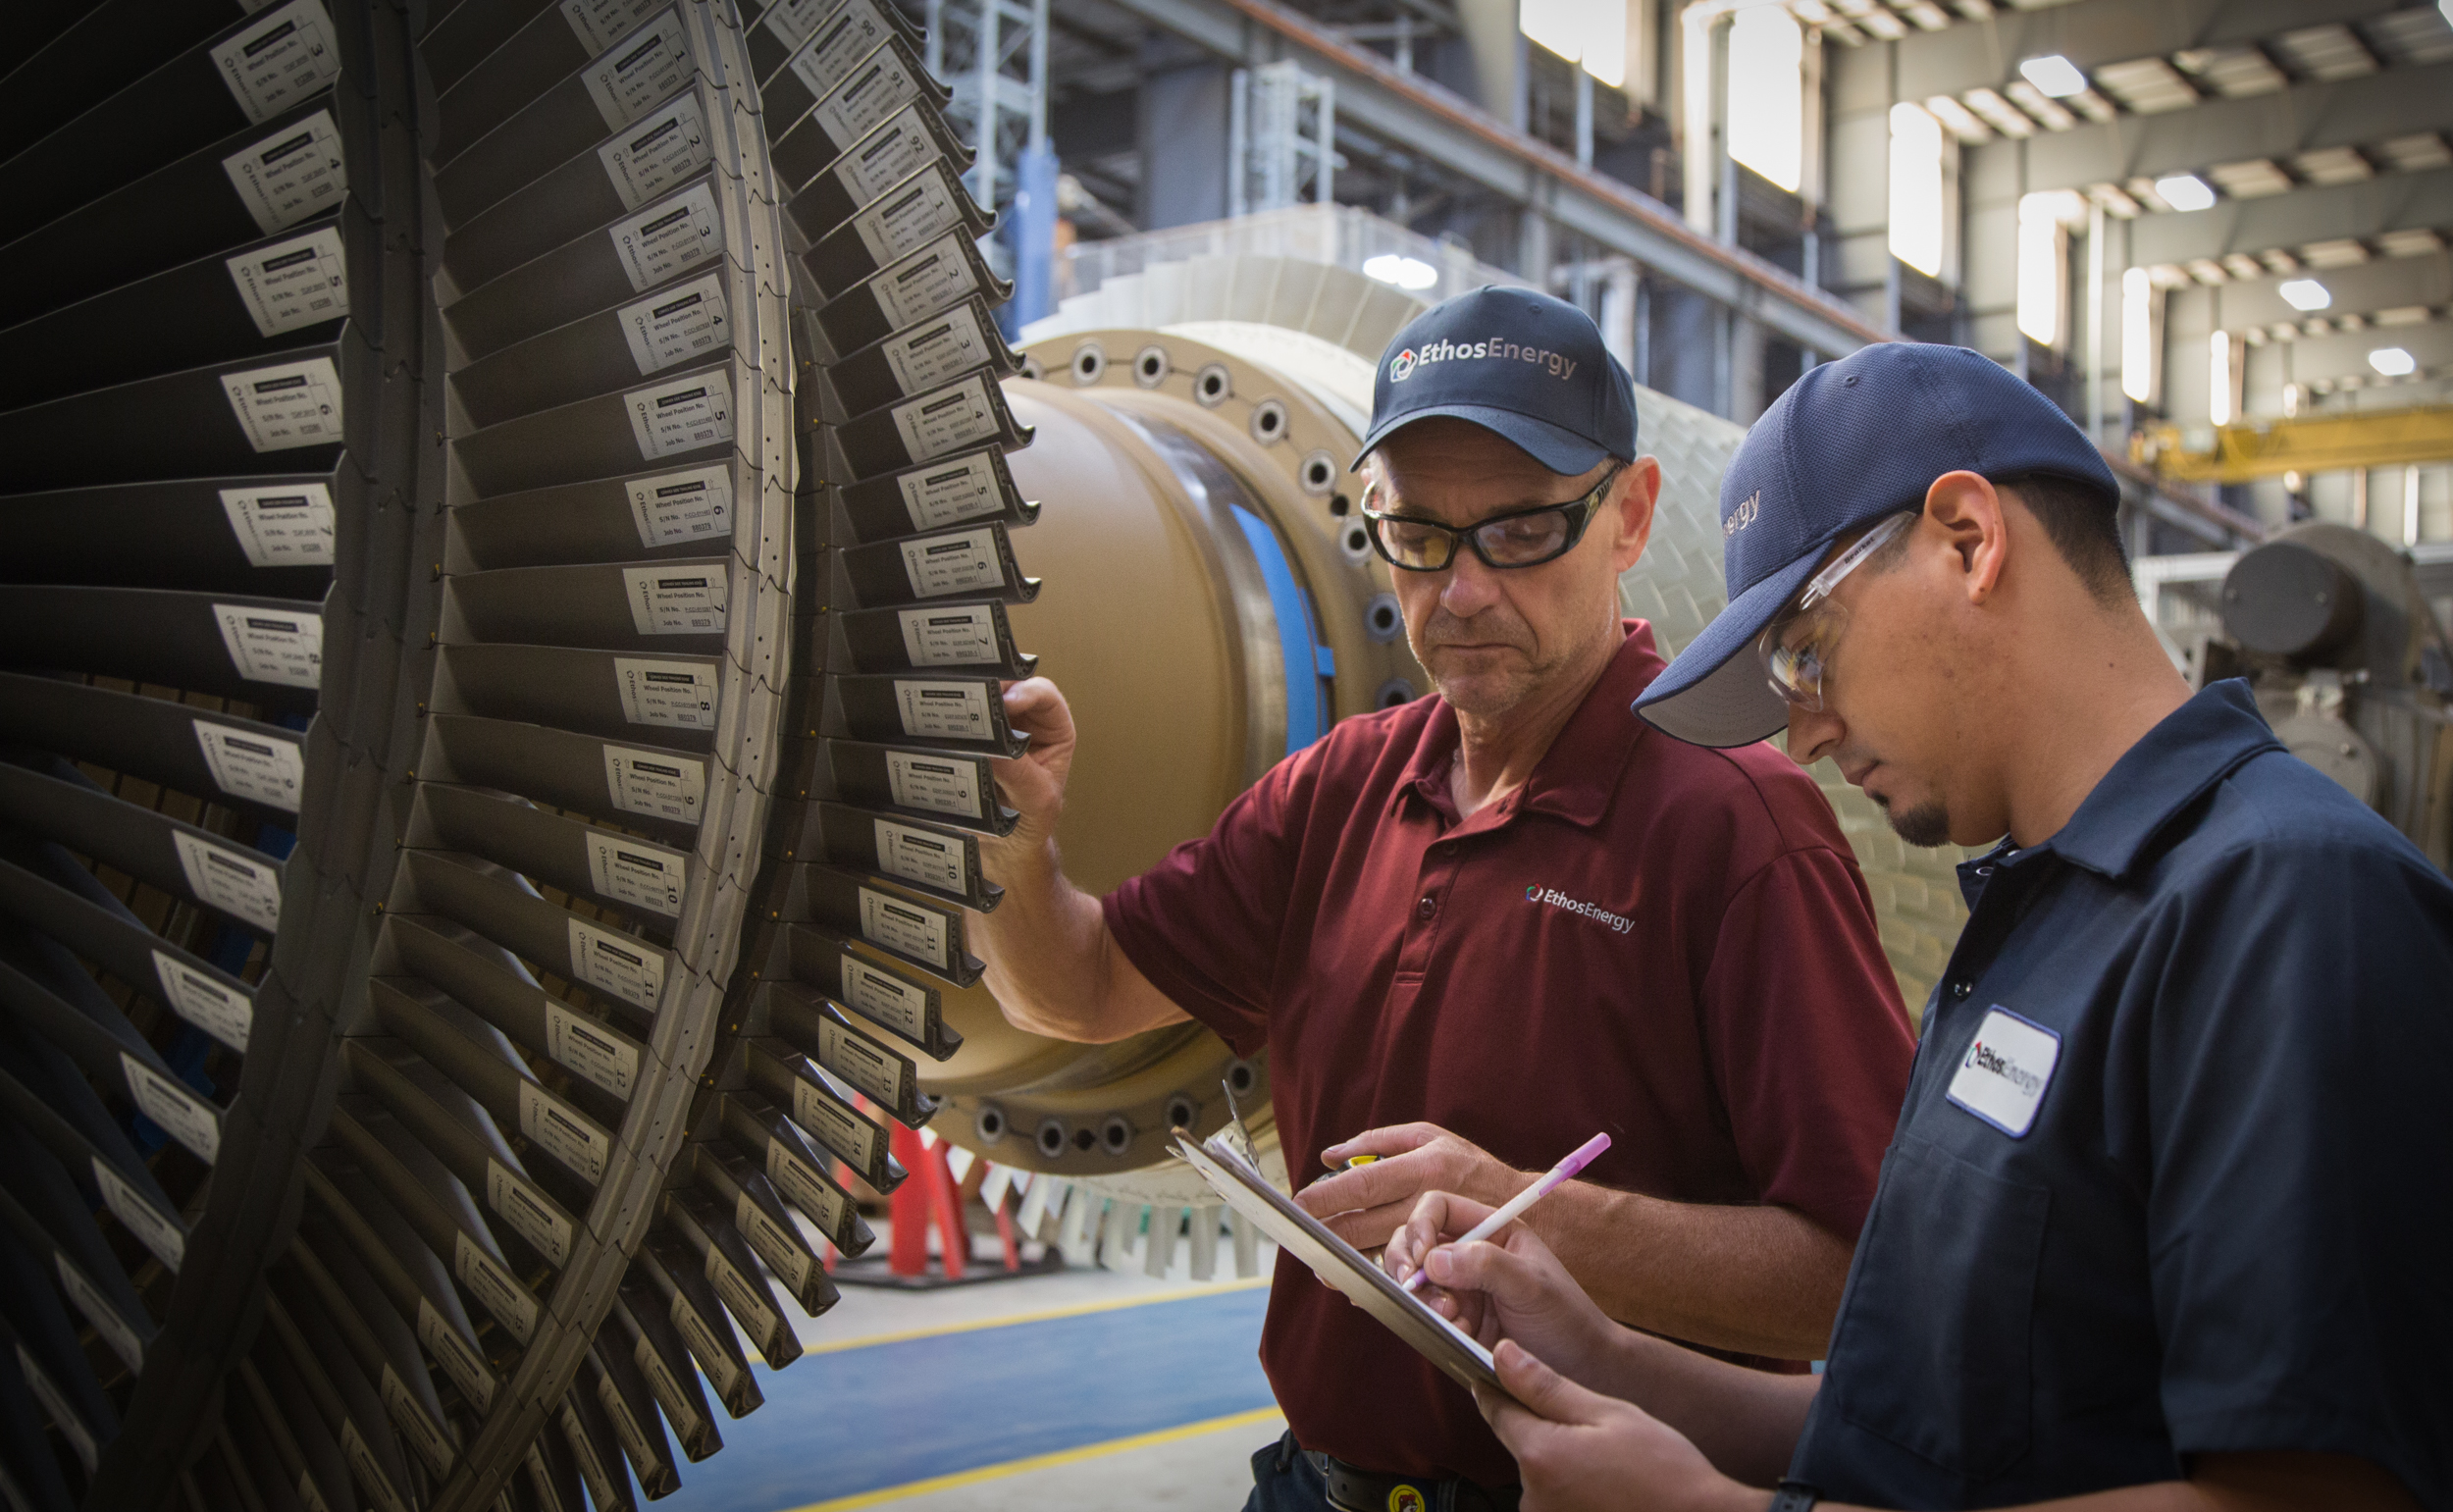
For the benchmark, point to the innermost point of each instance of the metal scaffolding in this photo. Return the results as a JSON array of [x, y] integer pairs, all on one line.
[[1281, 138]]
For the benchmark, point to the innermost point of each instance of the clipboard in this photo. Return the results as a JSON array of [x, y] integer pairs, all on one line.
[[1338, 1265]]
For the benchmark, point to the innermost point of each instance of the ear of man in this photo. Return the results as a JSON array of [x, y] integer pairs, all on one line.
[[2083, 532], [1634, 495]]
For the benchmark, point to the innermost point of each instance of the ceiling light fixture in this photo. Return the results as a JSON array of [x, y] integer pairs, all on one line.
[[2054, 75], [2186, 192], [2394, 361], [1408, 273], [2304, 294]]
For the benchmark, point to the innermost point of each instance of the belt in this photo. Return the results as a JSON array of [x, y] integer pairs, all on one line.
[[1352, 1488]]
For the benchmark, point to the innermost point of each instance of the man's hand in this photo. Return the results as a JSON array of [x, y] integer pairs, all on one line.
[[1581, 1451], [1507, 1286], [1033, 783], [1366, 1204]]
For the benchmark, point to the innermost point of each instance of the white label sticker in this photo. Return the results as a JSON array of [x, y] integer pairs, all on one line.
[[226, 881], [601, 1491], [677, 600], [920, 286], [368, 1469], [633, 871], [681, 694], [938, 565], [459, 1358], [885, 999], [156, 1230], [666, 1389], [886, 156], [790, 21], [655, 782], [937, 497], [944, 711], [639, 71], [226, 1013], [601, 22], [661, 150], [564, 1132], [257, 768], [280, 61], [933, 425], [55, 1402], [681, 416], [273, 645], [493, 1286], [878, 86], [408, 1415], [541, 1484], [859, 1062], [834, 1125], [594, 1052], [935, 783], [290, 525], [293, 174], [664, 239], [625, 965], [301, 282], [805, 1189], [950, 638], [922, 855], [2007, 1065], [675, 508], [919, 933], [677, 324], [705, 1347], [746, 1298], [902, 221], [280, 409], [784, 1253], [838, 47], [937, 350], [529, 1212], [115, 1330], [311, 1497]]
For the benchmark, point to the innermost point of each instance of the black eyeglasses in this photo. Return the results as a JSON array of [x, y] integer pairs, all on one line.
[[1517, 538]]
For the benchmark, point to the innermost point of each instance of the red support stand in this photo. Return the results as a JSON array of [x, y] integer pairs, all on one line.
[[926, 1198]]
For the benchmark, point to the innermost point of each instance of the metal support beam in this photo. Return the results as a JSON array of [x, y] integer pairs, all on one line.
[[2094, 33], [1443, 130], [2369, 208], [2316, 443]]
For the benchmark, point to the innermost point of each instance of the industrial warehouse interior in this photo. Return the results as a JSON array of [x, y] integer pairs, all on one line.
[[706, 707]]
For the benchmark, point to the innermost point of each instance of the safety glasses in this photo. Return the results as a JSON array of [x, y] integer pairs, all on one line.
[[1795, 646], [1518, 538]]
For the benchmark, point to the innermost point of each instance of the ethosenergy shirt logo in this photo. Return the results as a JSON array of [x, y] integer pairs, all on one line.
[[1558, 365], [1619, 924]]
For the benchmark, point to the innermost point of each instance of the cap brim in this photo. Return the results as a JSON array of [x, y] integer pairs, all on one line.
[[1561, 450], [1715, 693]]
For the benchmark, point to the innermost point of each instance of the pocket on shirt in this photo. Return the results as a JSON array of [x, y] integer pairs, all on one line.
[[1932, 1351]]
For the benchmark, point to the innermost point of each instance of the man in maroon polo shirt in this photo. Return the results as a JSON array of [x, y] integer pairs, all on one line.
[[1476, 929]]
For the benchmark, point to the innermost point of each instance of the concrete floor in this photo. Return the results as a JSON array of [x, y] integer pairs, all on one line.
[[930, 1401]]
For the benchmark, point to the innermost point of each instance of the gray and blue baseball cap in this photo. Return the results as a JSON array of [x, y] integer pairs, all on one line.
[[1524, 364], [1850, 443]]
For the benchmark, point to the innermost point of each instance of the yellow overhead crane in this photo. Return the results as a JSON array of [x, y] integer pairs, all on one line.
[[2304, 444]]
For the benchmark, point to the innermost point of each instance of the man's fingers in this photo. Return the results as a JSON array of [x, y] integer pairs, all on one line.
[[1544, 1390], [1396, 1140], [1371, 1227]]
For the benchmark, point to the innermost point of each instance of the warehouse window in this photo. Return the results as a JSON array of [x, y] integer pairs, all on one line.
[[1917, 189], [1592, 32], [1767, 94]]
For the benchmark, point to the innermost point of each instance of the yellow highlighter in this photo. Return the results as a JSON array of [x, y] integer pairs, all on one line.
[[1353, 1161]]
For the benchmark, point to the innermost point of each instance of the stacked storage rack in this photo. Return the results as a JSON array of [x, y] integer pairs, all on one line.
[[210, 322]]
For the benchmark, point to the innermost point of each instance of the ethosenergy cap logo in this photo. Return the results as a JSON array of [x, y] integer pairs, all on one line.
[[1619, 924], [1557, 364]]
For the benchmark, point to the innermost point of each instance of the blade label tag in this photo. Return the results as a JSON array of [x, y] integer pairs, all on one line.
[[367, 1468], [936, 497], [677, 600], [301, 282], [876, 86], [744, 1296], [594, 1052], [184, 1116], [938, 351], [273, 645], [640, 69], [943, 711], [564, 1134], [938, 784], [946, 638], [676, 325], [70, 1426], [493, 1286], [658, 153], [897, 226], [158, 1231], [783, 1253], [281, 408], [226, 1013], [903, 928], [835, 51], [939, 565], [283, 527], [834, 1125], [672, 508], [681, 416], [279, 61], [116, 1330], [295, 173], [665, 238], [681, 694], [666, 1389], [657, 783], [922, 284], [803, 1187], [887, 156], [863, 1064], [408, 1414], [884, 999], [704, 1346], [229, 883], [600, 24], [625, 965], [458, 1357], [935, 424], [257, 768], [635, 873], [530, 1214], [582, 1449]]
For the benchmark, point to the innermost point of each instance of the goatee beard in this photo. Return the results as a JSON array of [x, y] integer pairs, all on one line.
[[1927, 825]]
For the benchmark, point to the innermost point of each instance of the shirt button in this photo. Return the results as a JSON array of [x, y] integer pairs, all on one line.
[[1959, 989], [1427, 908], [1447, 848]]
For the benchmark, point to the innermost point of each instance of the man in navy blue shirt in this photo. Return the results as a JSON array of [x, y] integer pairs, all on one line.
[[2166, 1219]]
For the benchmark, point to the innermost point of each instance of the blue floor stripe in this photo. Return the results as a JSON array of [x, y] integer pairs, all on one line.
[[837, 1425]]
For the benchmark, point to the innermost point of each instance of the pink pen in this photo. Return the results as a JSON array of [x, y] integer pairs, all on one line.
[[1559, 1174]]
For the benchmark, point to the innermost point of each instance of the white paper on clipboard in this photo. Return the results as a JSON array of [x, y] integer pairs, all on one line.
[[1340, 1264]]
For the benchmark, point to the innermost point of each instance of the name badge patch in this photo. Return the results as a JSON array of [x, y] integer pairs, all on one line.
[[2007, 1065]]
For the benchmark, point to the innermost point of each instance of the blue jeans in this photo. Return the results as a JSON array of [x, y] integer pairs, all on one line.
[[1285, 1481]]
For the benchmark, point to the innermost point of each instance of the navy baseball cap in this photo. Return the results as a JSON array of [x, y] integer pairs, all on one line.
[[1851, 442], [1524, 364]]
